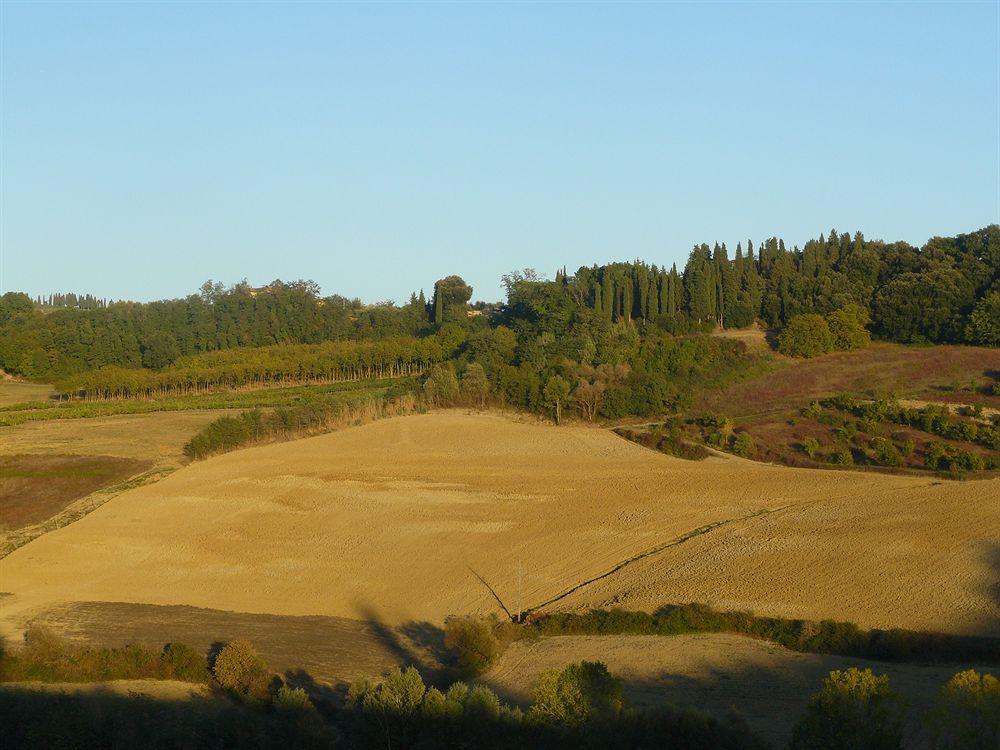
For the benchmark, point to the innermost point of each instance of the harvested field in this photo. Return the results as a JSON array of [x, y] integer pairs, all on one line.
[[767, 684], [327, 650], [33, 487], [414, 518], [158, 437], [166, 690]]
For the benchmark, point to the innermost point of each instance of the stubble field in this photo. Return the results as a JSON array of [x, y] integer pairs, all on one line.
[[415, 518]]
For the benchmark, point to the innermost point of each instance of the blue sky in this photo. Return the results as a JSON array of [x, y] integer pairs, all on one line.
[[378, 147]]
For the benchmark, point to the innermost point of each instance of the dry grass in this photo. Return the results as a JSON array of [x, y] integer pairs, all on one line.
[[389, 521], [19, 392], [158, 437]]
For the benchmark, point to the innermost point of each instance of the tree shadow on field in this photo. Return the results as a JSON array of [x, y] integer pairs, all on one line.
[[323, 695], [417, 644]]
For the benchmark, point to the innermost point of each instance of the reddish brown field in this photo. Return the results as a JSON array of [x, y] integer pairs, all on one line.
[[945, 373], [34, 488]]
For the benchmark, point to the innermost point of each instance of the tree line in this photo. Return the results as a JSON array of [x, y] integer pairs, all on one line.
[[948, 290], [928, 294]]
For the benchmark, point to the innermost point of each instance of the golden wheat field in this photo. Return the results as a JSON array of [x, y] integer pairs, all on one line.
[[418, 517]]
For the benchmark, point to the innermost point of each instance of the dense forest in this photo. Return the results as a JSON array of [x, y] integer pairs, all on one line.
[[946, 291]]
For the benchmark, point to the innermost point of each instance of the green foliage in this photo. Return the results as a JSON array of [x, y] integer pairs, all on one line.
[[848, 326], [475, 386], [578, 694], [184, 663], [825, 637], [854, 709], [806, 335], [886, 453], [671, 442], [47, 658], [473, 644], [743, 445], [811, 447], [230, 432], [924, 306], [966, 714], [984, 321], [441, 387], [556, 394], [451, 294], [236, 369], [292, 700], [159, 351], [240, 670]]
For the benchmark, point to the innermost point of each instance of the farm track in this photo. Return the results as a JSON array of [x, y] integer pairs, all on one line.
[[701, 530]]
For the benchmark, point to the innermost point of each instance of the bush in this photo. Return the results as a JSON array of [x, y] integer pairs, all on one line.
[[854, 709], [984, 321], [239, 669], [184, 663], [473, 644], [841, 457], [743, 445], [966, 714], [848, 327], [475, 387], [576, 695], [806, 336], [292, 700], [441, 387], [886, 453], [810, 446]]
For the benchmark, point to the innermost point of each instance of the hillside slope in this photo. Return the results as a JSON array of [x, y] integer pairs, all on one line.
[[416, 517]]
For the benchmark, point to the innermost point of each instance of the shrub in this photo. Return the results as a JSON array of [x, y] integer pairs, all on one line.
[[853, 709], [239, 669], [886, 453], [184, 663], [473, 644], [810, 446], [966, 714], [292, 700], [984, 321], [806, 336], [848, 327], [841, 457], [41, 644], [743, 445], [812, 411], [441, 387], [576, 695], [400, 694], [475, 387]]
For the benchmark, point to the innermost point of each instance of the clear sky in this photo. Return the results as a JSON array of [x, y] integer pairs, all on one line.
[[377, 147]]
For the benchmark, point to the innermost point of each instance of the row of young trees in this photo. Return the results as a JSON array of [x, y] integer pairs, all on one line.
[[287, 365]]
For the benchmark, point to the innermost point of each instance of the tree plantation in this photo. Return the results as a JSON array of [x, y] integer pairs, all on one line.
[[285, 365]]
